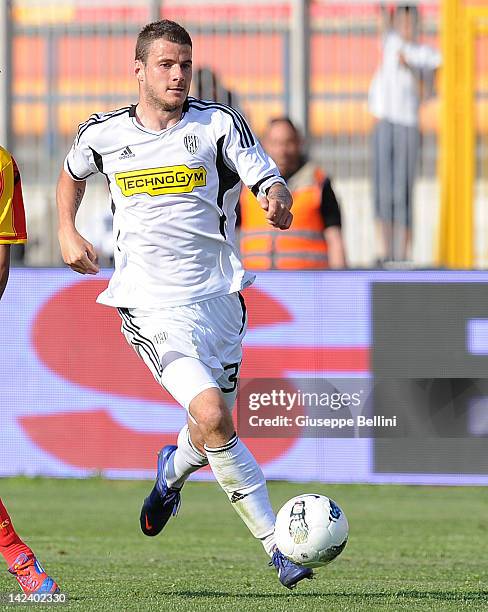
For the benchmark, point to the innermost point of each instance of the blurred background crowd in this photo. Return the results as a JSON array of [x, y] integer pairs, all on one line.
[[377, 115]]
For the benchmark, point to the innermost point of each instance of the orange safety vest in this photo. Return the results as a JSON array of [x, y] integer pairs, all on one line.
[[303, 246]]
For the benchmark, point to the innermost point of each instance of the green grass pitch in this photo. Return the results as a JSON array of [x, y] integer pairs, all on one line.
[[410, 548]]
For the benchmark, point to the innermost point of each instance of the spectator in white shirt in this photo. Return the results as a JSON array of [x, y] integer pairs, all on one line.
[[394, 100]]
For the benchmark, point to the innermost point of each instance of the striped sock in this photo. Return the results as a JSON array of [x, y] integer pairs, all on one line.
[[184, 461], [239, 475]]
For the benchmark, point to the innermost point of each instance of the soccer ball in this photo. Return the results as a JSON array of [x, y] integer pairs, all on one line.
[[311, 530]]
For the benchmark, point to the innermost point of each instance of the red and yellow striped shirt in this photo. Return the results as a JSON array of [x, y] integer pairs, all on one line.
[[12, 215]]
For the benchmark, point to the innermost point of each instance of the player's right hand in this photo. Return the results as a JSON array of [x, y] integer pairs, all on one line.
[[78, 253]]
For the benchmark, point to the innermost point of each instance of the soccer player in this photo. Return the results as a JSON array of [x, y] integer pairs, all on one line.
[[174, 165], [19, 557]]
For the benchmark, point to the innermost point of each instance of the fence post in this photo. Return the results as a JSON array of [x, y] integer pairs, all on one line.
[[300, 63], [154, 10], [6, 39], [456, 138]]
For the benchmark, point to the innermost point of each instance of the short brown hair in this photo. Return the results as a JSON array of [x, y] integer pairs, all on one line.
[[288, 121], [169, 30]]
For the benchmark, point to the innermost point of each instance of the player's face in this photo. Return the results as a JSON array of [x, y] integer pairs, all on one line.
[[284, 147], [165, 78]]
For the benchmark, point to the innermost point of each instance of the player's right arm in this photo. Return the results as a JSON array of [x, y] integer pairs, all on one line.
[[79, 164], [77, 252]]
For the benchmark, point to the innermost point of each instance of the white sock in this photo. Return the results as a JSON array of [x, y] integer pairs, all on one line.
[[269, 543], [238, 473], [184, 461]]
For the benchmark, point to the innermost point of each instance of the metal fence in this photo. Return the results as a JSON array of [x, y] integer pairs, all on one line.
[[70, 59]]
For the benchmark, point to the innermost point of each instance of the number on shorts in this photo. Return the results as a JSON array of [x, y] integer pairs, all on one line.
[[232, 377]]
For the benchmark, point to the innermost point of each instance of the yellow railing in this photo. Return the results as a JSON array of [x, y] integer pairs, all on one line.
[[461, 24]]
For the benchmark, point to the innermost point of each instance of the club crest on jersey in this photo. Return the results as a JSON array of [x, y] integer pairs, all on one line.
[[192, 142], [161, 181]]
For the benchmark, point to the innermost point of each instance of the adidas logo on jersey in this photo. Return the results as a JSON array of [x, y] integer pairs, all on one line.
[[126, 153]]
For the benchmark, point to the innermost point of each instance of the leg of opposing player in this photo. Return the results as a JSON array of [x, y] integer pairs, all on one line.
[[21, 560]]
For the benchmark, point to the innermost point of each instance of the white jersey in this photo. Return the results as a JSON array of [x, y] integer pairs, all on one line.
[[174, 193]]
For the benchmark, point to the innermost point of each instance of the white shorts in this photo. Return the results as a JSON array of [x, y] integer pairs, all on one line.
[[191, 348]]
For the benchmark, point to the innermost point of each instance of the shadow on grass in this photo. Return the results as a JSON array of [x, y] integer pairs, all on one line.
[[405, 594], [417, 594]]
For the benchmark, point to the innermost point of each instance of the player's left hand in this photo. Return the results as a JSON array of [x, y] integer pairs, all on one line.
[[277, 205]]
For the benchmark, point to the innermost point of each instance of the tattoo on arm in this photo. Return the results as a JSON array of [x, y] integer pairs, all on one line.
[[78, 197]]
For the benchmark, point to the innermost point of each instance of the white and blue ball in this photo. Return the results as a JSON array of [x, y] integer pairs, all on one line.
[[311, 530]]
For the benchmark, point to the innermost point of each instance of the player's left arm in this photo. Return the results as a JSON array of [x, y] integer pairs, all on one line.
[[277, 202], [244, 153], [4, 266]]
